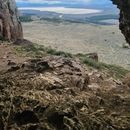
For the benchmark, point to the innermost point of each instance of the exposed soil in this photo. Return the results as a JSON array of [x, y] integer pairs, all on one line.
[[58, 93], [8, 54]]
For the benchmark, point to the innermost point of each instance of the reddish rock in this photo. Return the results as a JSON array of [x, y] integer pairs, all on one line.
[[10, 25]]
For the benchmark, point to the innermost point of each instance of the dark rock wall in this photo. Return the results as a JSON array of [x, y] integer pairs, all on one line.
[[10, 26], [124, 6]]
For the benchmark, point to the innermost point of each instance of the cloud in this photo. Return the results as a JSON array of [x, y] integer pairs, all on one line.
[[68, 3], [52, 1]]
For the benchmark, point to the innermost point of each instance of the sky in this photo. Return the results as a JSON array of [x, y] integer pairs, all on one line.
[[65, 3]]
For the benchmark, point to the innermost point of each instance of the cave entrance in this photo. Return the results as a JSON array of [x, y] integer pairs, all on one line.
[[77, 32]]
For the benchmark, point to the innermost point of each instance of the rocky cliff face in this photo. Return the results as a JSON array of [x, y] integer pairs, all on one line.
[[124, 6], [10, 26]]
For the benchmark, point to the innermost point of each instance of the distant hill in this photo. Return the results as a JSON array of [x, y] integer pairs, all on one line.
[[103, 18]]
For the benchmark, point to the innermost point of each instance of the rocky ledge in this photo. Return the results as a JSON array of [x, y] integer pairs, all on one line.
[[56, 93], [10, 26]]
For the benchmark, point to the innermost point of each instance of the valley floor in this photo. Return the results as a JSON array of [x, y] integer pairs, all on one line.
[[75, 38]]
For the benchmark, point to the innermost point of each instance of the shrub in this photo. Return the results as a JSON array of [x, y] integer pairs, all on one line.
[[26, 19]]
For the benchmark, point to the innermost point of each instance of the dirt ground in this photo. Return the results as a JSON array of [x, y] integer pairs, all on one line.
[[7, 54]]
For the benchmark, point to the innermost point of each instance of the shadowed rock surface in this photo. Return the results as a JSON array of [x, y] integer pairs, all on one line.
[[124, 6], [56, 93], [10, 26]]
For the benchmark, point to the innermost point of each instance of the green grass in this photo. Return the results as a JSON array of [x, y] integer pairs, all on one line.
[[114, 70], [57, 53], [31, 50], [41, 51]]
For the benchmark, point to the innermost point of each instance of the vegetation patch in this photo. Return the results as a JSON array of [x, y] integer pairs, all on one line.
[[41, 51], [114, 70], [26, 18]]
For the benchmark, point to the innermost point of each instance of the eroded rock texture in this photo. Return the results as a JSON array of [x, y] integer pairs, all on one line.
[[124, 6], [56, 93], [10, 26]]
